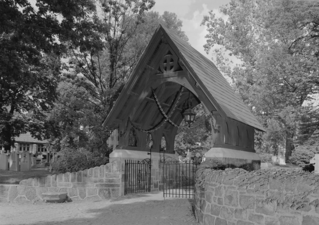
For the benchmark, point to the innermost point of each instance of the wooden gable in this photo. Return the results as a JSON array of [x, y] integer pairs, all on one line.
[[167, 64]]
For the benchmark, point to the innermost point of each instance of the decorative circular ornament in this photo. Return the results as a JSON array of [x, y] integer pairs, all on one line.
[[168, 63]]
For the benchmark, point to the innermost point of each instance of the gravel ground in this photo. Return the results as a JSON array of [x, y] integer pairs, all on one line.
[[149, 209]]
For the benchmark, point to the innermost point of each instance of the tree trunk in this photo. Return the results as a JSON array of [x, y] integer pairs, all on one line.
[[289, 147], [7, 138]]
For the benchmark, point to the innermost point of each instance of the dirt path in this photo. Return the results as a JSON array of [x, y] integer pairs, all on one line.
[[135, 210]]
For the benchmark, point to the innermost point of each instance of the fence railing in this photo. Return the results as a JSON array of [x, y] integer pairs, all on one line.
[[178, 179], [137, 176]]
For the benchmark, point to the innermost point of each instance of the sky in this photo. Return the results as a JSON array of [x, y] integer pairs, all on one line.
[[191, 12]]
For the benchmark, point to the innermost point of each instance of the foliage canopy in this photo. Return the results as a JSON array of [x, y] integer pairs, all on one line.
[[262, 53]]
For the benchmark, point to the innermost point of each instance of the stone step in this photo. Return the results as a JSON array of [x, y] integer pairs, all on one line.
[[54, 197]]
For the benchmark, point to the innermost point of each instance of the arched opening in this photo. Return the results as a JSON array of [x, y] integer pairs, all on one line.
[[149, 142], [226, 134], [163, 144], [248, 139], [238, 138], [132, 138]]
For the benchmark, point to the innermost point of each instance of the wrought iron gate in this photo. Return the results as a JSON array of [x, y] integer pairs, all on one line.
[[137, 176], [178, 179]]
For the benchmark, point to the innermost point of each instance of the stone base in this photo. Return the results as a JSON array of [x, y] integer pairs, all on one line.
[[138, 155], [234, 158], [124, 154]]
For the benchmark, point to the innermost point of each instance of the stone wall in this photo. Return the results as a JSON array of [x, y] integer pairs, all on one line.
[[262, 197], [103, 182]]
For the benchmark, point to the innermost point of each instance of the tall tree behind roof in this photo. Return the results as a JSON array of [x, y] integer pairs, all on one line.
[[272, 81], [89, 70], [29, 60]]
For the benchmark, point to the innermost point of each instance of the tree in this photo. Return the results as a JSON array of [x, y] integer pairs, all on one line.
[[88, 86], [307, 42], [30, 48], [304, 153], [273, 82]]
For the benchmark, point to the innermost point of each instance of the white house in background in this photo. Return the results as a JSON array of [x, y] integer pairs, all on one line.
[[26, 143]]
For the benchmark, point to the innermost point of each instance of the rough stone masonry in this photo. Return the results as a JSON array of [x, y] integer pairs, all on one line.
[[103, 182], [262, 197]]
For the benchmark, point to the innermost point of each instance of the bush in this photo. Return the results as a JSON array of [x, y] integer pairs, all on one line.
[[302, 155], [69, 160]]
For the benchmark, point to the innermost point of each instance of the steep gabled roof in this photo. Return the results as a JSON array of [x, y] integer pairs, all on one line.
[[203, 71], [213, 82]]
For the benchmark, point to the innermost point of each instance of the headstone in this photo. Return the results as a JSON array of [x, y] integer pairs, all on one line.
[[33, 161], [34, 149], [282, 161], [265, 165], [278, 160], [316, 159], [188, 156], [14, 161], [3, 162], [16, 147], [113, 141], [25, 163]]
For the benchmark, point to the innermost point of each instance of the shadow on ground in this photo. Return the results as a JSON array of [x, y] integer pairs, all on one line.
[[152, 212]]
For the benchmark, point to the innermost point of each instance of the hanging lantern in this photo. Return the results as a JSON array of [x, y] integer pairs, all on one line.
[[188, 113], [189, 116]]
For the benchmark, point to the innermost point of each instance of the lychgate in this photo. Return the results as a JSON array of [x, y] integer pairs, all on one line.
[[171, 77]]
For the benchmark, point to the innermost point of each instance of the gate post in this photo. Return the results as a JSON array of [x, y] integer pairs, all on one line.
[[117, 165]]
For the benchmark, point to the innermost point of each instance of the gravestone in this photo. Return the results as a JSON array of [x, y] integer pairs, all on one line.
[[14, 161], [3, 162], [25, 163], [112, 141], [315, 161]]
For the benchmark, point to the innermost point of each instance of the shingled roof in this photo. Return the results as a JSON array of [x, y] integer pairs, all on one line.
[[212, 82], [27, 138], [208, 79]]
